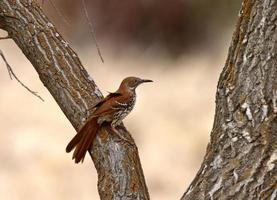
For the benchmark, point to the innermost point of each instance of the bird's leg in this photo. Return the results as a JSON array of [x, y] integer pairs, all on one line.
[[120, 136]]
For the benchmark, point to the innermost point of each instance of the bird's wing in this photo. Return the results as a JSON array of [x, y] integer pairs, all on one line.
[[111, 105], [109, 96]]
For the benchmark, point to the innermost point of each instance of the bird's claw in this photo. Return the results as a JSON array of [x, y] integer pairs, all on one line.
[[121, 138]]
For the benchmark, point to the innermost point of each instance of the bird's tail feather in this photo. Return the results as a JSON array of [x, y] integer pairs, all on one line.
[[83, 140]]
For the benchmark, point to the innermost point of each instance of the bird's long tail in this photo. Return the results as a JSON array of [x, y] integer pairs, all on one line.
[[83, 140]]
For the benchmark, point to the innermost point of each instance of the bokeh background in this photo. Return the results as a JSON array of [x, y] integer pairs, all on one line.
[[180, 44]]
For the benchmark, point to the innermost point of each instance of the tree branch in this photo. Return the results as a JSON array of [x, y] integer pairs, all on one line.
[[92, 32], [58, 12], [12, 74], [59, 68], [241, 159]]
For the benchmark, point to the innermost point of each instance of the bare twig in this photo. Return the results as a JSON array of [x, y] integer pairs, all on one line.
[[7, 64], [12, 74], [58, 11], [92, 31]]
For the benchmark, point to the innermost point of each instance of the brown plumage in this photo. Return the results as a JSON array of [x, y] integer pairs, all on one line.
[[112, 109]]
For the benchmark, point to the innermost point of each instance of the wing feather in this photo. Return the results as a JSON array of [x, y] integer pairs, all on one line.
[[112, 105], [109, 96]]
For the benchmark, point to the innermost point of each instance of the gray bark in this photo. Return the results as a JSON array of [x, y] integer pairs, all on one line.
[[241, 158], [60, 70]]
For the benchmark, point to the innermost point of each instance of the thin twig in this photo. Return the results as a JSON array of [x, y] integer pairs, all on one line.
[[7, 64], [12, 74], [59, 12], [92, 31]]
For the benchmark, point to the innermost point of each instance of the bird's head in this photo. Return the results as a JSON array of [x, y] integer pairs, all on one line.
[[133, 82]]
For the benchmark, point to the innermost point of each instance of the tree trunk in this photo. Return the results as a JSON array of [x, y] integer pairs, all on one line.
[[241, 159], [118, 165]]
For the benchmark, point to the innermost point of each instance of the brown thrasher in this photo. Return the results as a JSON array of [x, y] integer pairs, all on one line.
[[112, 109]]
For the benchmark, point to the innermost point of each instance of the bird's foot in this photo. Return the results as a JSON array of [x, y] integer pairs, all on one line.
[[121, 137]]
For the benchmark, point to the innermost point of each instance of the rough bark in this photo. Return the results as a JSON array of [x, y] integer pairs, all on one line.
[[241, 159], [120, 175]]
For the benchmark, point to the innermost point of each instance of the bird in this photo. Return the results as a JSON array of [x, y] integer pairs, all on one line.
[[112, 110]]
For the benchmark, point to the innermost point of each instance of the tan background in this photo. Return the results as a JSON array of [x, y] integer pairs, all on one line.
[[171, 121]]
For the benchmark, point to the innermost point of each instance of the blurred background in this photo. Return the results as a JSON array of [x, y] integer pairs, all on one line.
[[180, 44]]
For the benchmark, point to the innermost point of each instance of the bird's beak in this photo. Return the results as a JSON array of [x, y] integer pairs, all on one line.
[[145, 80]]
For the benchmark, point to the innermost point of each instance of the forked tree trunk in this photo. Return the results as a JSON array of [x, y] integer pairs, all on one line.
[[241, 159], [120, 175]]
